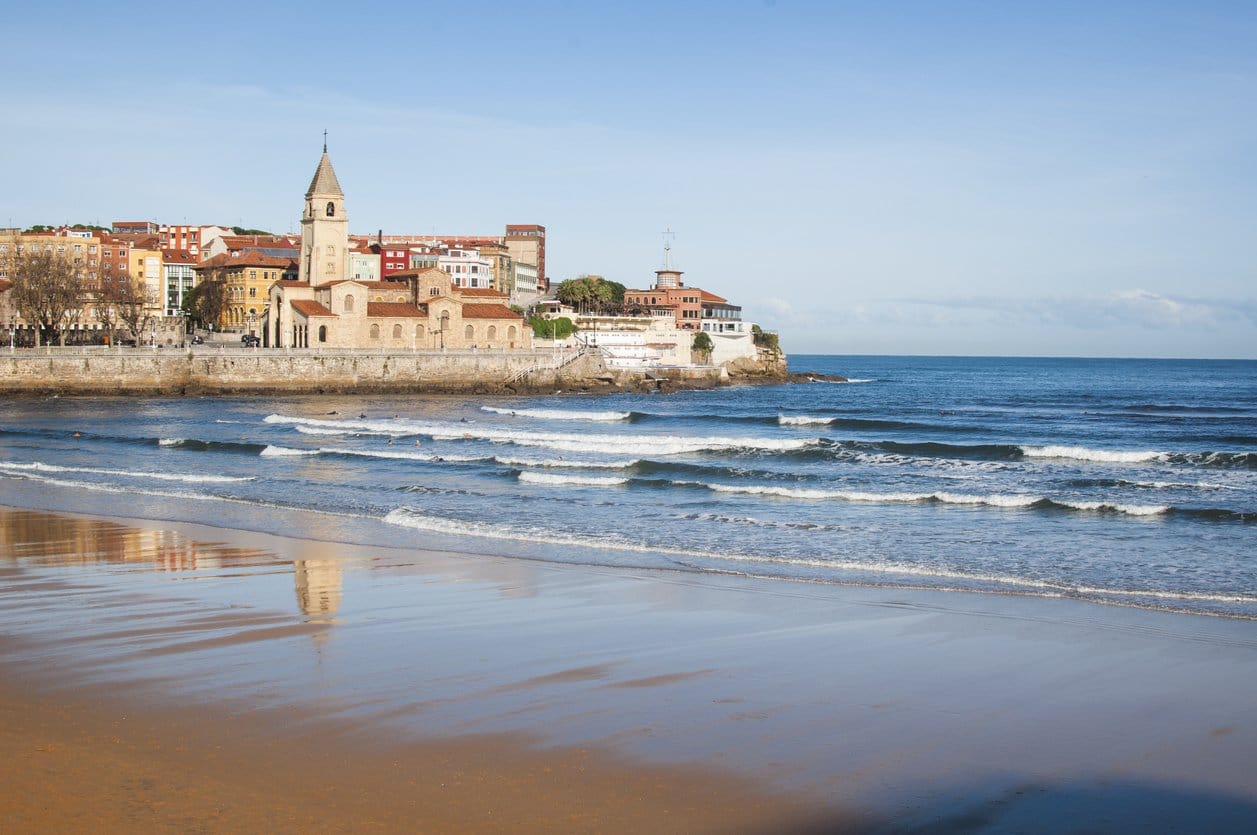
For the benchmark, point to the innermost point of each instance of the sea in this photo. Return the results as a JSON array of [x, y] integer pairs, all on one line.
[[1121, 481]]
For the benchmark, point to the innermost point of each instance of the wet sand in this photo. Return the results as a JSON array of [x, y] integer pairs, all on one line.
[[177, 677]]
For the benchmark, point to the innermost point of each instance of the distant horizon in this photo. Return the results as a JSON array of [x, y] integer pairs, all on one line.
[[790, 355]]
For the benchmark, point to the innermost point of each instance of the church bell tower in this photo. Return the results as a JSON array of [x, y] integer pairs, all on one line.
[[324, 227]]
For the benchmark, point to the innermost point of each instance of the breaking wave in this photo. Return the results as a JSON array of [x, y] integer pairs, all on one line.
[[558, 414], [189, 478], [529, 477]]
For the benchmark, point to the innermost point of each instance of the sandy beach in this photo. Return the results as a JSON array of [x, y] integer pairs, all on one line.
[[178, 677]]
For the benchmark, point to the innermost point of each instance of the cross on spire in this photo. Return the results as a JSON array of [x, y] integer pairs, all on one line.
[[325, 140]]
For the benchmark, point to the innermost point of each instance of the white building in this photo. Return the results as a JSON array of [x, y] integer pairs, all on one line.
[[467, 268]]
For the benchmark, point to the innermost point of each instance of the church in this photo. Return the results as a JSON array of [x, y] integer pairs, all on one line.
[[416, 310]]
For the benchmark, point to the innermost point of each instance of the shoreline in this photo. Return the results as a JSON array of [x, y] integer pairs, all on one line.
[[873, 708]]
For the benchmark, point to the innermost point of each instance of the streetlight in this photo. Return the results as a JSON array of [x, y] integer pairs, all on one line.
[[12, 327], [252, 322]]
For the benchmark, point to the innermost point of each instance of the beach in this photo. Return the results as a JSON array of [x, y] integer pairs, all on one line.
[[174, 676]]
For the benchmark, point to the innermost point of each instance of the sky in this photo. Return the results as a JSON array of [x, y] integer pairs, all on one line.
[[985, 178]]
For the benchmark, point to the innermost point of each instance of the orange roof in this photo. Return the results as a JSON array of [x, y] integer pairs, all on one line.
[[246, 259], [172, 255], [489, 311], [392, 309], [309, 307], [481, 292], [711, 297]]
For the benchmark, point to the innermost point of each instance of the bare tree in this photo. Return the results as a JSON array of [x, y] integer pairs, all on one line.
[[129, 301], [48, 290]]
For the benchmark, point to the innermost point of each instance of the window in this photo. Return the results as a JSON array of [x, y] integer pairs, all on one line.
[[434, 291], [397, 331], [469, 332], [349, 304], [253, 292], [492, 333], [322, 333], [510, 334], [331, 250], [375, 331], [331, 209]]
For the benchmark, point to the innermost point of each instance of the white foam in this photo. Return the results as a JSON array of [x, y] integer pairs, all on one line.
[[318, 430], [170, 441], [273, 451], [558, 414], [191, 478], [803, 420], [403, 454], [1129, 509], [511, 461], [1078, 453], [624, 444], [528, 476], [876, 498]]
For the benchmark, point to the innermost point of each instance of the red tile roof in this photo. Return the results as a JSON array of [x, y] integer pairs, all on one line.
[[490, 311], [393, 309], [309, 307], [481, 292], [370, 285], [246, 259], [5, 285], [711, 297]]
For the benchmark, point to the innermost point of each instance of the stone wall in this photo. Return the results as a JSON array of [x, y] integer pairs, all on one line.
[[237, 370]]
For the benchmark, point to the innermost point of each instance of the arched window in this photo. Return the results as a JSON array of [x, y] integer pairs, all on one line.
[[331, 250], [397, 331], [434, 291], [331, 209], [469, 332], [492, 333], [445, 321], [375, 331], [349, 304], [418, 331], [322, 333], [510, 334]]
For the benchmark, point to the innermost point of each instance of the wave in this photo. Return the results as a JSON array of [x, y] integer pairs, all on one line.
[[195, 445], [318, 430], [1078, 453], [273, 451], [574, 463], [622, 444], [558, 414], [803, 420], [997, 500], [839, 570], [191, 478], [530, 477]]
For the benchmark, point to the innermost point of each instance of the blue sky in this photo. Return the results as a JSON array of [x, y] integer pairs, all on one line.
[[931, 178]]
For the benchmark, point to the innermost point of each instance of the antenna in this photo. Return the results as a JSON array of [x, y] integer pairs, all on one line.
[[667, 248], [325, 140]]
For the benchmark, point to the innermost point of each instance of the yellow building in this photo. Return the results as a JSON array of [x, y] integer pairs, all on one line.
[[146, 266], [247, 279]]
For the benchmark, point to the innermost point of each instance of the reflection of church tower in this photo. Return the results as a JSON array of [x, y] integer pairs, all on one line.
[[324, 227], [318, 587]]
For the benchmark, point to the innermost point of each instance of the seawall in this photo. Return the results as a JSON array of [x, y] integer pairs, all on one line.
[[222, 370]]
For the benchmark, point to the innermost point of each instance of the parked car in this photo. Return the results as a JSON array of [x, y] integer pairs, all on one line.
[[251, 340]]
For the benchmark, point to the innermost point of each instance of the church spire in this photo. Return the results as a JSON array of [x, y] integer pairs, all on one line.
[[324, 182]]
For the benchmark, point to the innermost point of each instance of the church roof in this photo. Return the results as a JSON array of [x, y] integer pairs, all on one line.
[[324, 181], [489, 311], [309, 307], [480, 292]]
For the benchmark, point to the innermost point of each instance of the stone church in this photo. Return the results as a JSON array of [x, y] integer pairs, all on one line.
[[417, 310]]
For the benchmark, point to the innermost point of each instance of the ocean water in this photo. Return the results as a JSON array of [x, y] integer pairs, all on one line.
[[1128, 482]]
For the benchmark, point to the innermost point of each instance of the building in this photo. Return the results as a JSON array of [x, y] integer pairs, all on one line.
[[145, 266], [134, 227], [420, 309], [190, 239], [526, 243], [178, 278], [364, 264], [247, 279]]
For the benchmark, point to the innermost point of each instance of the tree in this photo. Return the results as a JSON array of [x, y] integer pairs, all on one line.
[[703, 346], [208, 299], [558, 328], [48, 290], [129, 303], [240, 230], [591, 293]]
